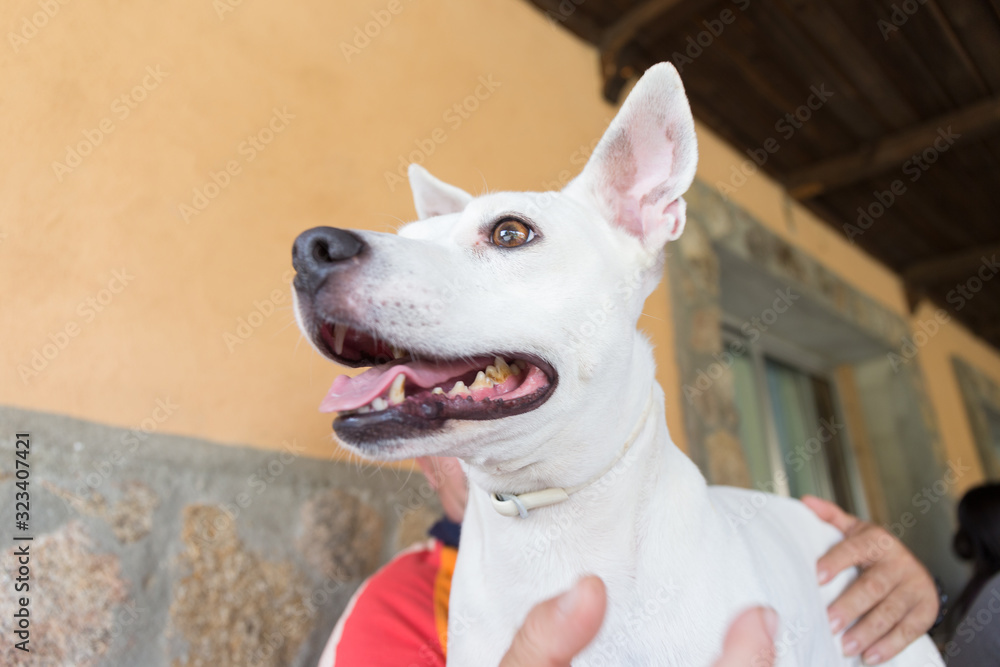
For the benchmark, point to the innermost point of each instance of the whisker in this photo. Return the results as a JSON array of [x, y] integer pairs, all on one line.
[[282, 329]]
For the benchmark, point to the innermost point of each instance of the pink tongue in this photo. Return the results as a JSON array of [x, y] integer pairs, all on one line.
[[350, 393]]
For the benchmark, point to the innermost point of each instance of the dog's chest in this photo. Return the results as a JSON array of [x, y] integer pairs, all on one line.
[[662, 620], [668, 599]]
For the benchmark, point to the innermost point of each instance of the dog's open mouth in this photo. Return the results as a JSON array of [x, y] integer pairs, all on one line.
[[403, 393]]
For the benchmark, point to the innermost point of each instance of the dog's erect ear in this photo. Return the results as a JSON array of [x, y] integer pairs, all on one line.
[[645, 161], [434, 197]]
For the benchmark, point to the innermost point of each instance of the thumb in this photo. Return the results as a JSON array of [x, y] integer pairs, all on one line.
[[556, 630], [750, 640]]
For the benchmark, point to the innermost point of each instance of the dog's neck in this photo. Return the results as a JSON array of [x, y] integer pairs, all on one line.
[[588, 442]]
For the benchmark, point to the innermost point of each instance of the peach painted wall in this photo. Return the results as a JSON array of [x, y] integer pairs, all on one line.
[[208, 133]]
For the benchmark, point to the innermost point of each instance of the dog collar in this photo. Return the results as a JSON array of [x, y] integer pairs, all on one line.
[[518, 504]]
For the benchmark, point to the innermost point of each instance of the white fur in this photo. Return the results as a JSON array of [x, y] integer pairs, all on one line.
[[677, 567]]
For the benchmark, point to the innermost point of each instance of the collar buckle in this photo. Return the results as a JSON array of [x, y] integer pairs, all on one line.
[[514, 504]]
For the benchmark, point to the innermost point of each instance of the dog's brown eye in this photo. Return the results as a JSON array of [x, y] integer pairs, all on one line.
[[510, 233]]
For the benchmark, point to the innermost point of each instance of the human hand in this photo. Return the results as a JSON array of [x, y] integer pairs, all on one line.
[[750, 640], [895, 597], [558, 629]]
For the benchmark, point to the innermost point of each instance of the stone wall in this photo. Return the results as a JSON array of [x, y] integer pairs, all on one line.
[[909, 457], [981, 394], [158, 550], [715, 225]]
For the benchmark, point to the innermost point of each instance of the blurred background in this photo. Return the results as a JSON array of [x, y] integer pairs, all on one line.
[[828, 323]]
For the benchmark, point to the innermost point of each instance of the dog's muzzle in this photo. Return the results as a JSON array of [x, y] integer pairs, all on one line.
[[321, 251]]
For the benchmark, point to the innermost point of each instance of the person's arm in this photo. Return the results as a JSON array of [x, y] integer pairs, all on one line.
[[895, 597], [558, 629]]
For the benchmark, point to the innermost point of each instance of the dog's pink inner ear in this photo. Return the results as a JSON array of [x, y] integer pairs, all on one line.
[[637, 165], [647, 160], [643, 180]]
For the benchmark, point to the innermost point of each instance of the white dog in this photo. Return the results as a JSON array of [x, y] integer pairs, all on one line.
[[502, 330]]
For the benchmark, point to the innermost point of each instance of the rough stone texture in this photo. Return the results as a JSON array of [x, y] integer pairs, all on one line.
[[725, 455], [131, 518], [722, 232], [413, 526], [706, 329], [233, 607], [980, 393], [706, 381], [701, 262], [75, 593], [741, 234], [341, 535], [124, 548], [713, 224]]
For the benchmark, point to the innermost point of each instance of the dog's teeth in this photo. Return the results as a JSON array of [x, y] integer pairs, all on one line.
[[482, 382], [515, 368], [498, 371], [339, 333], [396, 391], [398, 353], [364, 409], [437, 390], [379, 404], [459, 389]]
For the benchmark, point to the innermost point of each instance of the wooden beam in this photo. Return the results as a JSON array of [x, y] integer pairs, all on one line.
[[568, 15], [621, 33], [987, 331], [955, 42], [891, 152], [954, 266], [841, 44]]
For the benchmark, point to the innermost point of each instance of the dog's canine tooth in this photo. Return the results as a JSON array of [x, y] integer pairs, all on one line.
[[339, 333], [482, 382], [396, 392], [498, 371], [379, 404], [398, 353], [459, 389], [437, 390]]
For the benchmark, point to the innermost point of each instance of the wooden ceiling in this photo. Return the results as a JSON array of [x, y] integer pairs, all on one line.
[[903, 157]]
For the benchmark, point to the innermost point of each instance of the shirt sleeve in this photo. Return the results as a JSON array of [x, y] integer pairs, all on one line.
[[976, 642]]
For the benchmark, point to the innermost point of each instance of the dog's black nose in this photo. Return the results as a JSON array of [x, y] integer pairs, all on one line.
[[319, 251]]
